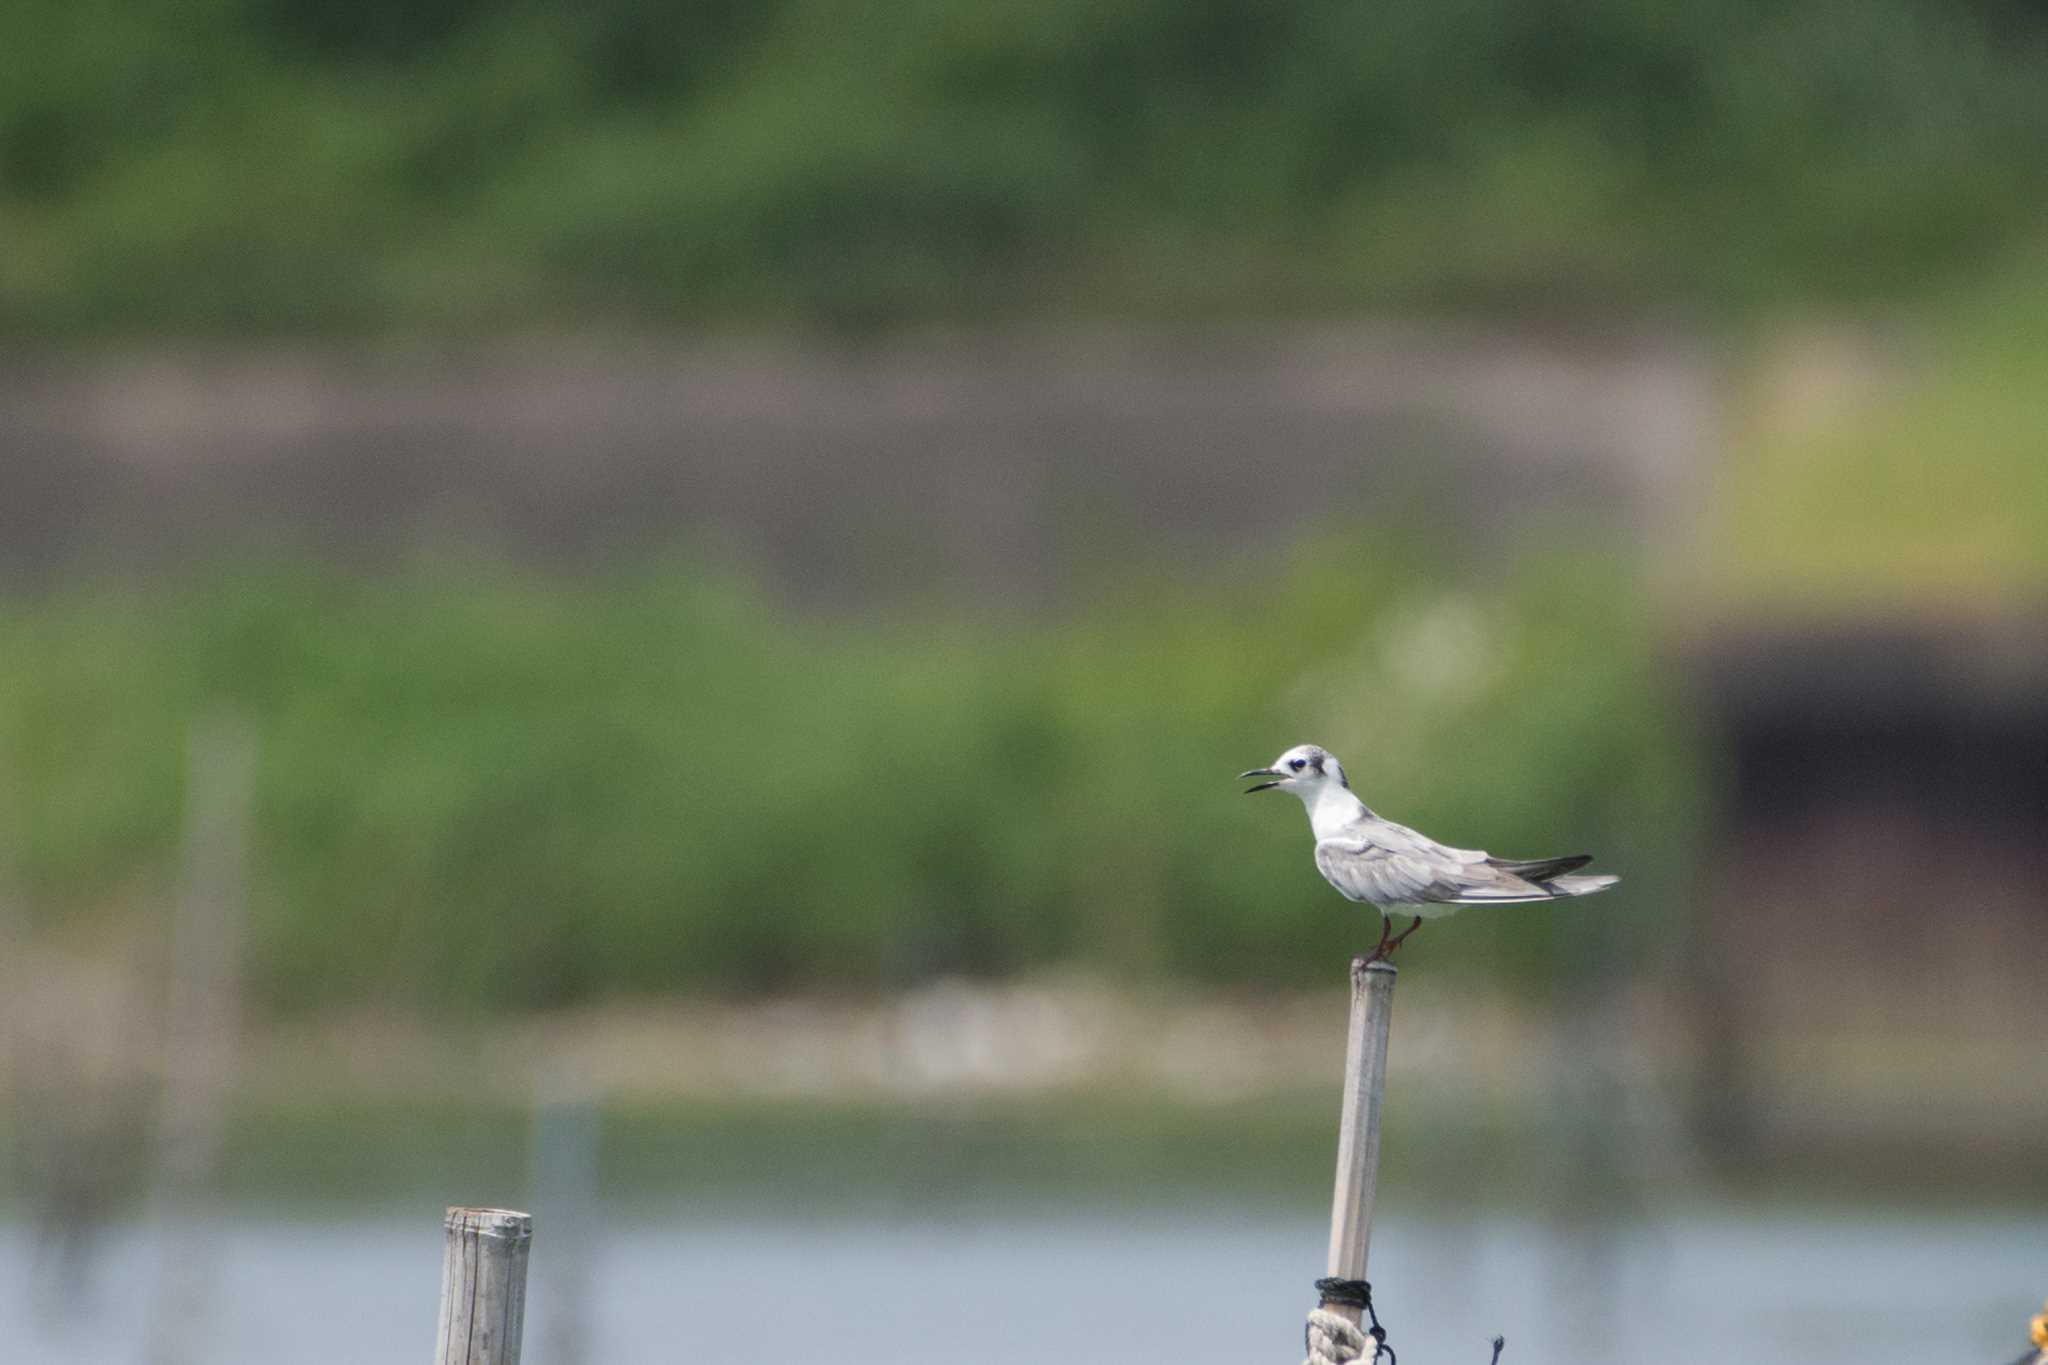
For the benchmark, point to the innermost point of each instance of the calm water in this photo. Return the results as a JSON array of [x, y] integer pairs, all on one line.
[[1192, 1288]]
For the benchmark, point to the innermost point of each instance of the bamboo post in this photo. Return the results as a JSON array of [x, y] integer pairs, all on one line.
[[483, 1287], [566, 1130], [1358, 1136], [202, 1027]]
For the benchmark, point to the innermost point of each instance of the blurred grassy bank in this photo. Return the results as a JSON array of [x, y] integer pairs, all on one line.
[[808, 1159], [482, 788], [1069, 1091], [811, 1160], [1903, 469], [254, 166]]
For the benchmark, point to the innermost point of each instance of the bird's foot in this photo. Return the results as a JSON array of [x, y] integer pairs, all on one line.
[[1387, 948], [1379, 950]]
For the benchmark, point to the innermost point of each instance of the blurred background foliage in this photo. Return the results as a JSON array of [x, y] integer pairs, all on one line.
[[281, 166], [514, 788], [1861, 483], [482, 788]]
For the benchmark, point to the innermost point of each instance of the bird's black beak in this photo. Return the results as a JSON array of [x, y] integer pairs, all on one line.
[[1260, 772]]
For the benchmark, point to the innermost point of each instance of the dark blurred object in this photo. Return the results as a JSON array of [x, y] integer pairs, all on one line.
[[1876, 867]]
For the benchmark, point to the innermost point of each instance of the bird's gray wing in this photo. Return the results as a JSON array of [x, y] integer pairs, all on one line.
[[1382, 863]]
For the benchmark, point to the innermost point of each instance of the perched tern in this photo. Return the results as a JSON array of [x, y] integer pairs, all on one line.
[[1398, 871]]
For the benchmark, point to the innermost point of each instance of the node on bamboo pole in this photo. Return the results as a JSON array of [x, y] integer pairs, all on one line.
[[1358, 1134], [483, 1287]]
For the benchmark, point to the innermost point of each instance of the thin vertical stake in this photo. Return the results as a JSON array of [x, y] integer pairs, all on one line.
[[483, 1287], [566, 1129], [1358, 1136], [202, 1028]]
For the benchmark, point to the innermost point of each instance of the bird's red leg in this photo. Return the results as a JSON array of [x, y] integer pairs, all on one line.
[[1382, 948], [1401, 937]]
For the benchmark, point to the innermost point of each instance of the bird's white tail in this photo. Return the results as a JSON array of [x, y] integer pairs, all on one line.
[[1579, 886]]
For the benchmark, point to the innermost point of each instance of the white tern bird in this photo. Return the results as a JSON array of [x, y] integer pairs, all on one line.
[[1398, 871]]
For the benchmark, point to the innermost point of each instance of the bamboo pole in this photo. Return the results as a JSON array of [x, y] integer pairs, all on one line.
[[566, 1129], [1358, 1135], [483, 1287], [202, 1028]]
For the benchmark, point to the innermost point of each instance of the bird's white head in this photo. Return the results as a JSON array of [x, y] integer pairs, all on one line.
[[1307, 770]]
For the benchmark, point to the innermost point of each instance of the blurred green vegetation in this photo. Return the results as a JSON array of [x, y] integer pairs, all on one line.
[[481, 788], [811, 1157], [1912, 475], [814, 1158], [446, 165]]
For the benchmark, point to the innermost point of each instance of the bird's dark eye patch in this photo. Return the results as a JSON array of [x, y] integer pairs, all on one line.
[[1297, 764]]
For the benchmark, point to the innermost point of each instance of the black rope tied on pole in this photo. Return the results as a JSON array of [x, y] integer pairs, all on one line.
[[1358, 1294]]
